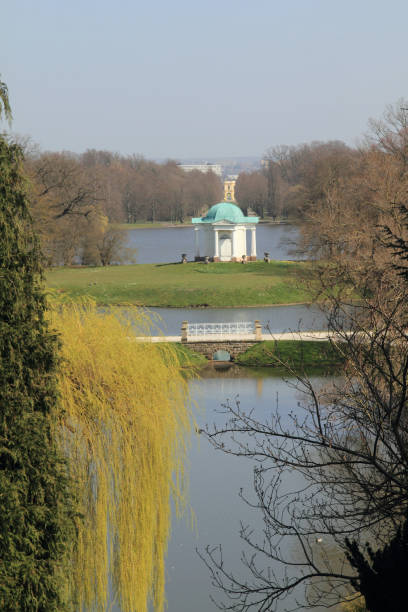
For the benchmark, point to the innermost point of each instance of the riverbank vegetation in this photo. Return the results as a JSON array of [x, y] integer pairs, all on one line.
[[124, 424], [219, 285], [296, 355]]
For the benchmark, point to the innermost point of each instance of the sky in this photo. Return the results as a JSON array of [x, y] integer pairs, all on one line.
[[188, 79]]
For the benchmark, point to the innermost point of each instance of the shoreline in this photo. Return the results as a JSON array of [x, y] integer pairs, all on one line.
[[169, 224], [124, 304]]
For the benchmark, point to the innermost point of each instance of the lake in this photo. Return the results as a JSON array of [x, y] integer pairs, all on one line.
[[165, 245]]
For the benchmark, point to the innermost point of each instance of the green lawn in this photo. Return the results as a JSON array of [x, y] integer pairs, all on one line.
[[186, 285]]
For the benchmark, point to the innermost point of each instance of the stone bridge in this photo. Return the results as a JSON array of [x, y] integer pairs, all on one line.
[[210, 338], [234, 338], [209, 348]]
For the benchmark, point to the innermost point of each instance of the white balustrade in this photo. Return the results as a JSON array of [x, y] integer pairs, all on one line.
[[221, 329]]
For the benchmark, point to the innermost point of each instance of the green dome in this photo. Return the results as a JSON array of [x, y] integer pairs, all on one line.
[[224, 210]]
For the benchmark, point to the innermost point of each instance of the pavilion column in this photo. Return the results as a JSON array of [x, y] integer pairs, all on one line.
[[234, 256], [197, 243], [253, 243], [216, 247]]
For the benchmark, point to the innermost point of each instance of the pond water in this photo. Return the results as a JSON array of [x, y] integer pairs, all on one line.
[[276, 319], [165, 245], [215, 482]]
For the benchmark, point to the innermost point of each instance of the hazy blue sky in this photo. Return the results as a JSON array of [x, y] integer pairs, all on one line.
[[200, 78]]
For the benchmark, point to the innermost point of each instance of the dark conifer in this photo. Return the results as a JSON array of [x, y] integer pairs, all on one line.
[[382, 573], [35, 508]]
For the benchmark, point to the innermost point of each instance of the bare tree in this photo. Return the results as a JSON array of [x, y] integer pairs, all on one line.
[[60, 179], [300, 175], [390, 133], [348, 440], [105, 246], [252, 192]]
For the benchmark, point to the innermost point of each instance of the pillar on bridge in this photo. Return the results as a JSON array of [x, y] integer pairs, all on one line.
[[184, 328], [258, 330]]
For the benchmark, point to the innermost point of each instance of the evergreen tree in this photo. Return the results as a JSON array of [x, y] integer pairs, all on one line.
[[382, 573], [36, 526]]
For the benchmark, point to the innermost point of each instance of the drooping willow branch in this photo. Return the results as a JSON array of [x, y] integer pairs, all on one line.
[[124, 424]]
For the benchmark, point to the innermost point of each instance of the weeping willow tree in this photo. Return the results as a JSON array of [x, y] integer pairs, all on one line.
[[123, 425]]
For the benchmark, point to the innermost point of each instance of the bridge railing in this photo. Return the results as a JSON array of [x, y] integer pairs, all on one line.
[[216, 330]]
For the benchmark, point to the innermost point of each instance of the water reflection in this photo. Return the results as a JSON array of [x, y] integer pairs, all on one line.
[[216, 479], [215, 482]]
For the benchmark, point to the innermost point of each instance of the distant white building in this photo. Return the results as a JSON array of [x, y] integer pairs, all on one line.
[[221, 234], [216, 168]]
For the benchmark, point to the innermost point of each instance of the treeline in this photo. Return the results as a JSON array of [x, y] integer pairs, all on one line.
[[348, 195], [339, 195], [293, 179], [74, 198]]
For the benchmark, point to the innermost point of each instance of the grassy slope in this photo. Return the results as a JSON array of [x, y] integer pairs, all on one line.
[[295, 353], [192, 284]]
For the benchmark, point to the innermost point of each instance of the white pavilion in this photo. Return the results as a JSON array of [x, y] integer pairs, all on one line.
[[221, 234]]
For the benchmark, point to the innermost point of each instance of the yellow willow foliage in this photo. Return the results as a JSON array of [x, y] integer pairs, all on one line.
[[124, 426]]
